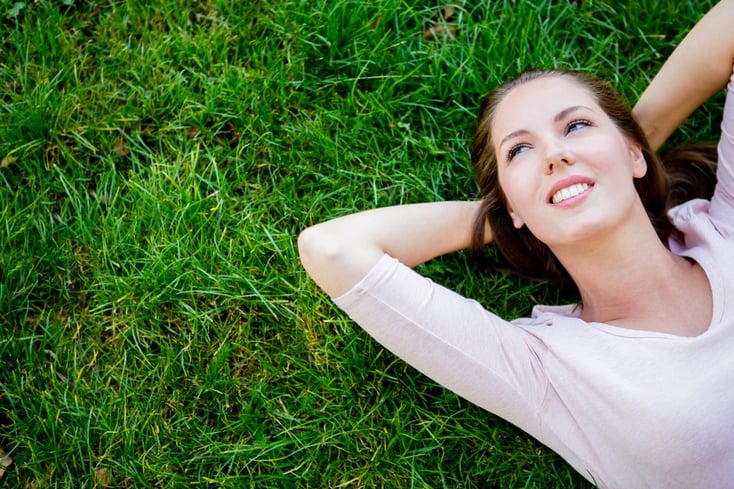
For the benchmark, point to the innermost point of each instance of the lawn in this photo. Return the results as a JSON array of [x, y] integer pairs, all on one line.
[[157, 161]]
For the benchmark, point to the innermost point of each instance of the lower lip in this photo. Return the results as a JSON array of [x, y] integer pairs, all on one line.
[[574, 200]]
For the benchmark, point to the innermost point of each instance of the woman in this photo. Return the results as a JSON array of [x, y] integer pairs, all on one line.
[[633, 385]]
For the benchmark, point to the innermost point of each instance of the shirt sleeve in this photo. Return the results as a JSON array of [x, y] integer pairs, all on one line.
[[451, 339], [722, 202]]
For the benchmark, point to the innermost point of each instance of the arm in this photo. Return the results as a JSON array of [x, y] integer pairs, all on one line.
[[699, 67], [338, 253]]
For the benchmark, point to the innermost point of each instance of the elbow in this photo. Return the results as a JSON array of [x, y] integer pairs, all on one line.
[[323, 257], [333, 259], [307, 247], [318, 250]]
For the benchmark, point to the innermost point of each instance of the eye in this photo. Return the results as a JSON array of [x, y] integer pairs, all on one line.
[[516, 150], [577, 124]]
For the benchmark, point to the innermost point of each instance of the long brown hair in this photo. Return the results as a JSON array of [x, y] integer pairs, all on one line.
[[687, 173]]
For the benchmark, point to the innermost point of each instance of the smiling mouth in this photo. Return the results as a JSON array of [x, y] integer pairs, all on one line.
[[569, 192]]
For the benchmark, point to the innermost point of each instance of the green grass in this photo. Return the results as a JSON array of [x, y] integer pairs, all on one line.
[[158, 161]]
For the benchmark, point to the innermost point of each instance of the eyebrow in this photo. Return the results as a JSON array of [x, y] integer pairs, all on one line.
[[559, 116]]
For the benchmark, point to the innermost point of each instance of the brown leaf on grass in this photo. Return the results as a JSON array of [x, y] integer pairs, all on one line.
[[120, 148], [103, 477], [376, 22], [5, 462], [438, 31], [447, 12], [439, 26], [7, 161]]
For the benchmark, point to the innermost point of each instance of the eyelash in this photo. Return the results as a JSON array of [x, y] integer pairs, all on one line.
[[511, 153], [586, 123]]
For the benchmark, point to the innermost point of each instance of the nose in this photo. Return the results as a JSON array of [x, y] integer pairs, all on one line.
[[555, 156]]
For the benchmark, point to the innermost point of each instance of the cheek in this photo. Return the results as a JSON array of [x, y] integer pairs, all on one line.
[[517, 196], [505, 186], [518, 189]]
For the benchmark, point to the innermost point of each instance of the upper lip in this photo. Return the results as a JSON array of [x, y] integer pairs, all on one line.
[[567, 182]]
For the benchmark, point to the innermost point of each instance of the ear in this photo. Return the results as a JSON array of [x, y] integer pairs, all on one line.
[[516, 219], [639, 165]]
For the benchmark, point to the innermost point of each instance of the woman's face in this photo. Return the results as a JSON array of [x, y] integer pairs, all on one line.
[[566, 170]]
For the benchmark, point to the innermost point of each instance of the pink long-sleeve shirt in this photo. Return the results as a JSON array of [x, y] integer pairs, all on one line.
[[626, 408]]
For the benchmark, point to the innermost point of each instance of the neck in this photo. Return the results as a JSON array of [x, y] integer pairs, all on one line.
[[624, 276]]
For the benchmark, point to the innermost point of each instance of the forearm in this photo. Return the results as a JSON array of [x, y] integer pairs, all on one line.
[[699, 67], [338, 253]]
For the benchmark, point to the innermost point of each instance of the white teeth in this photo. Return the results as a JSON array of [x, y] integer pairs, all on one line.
[[569, 192]]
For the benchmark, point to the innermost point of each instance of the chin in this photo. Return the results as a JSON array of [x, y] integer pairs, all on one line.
[[581, 231]]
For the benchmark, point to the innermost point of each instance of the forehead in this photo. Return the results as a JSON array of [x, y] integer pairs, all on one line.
[[537, 101]]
